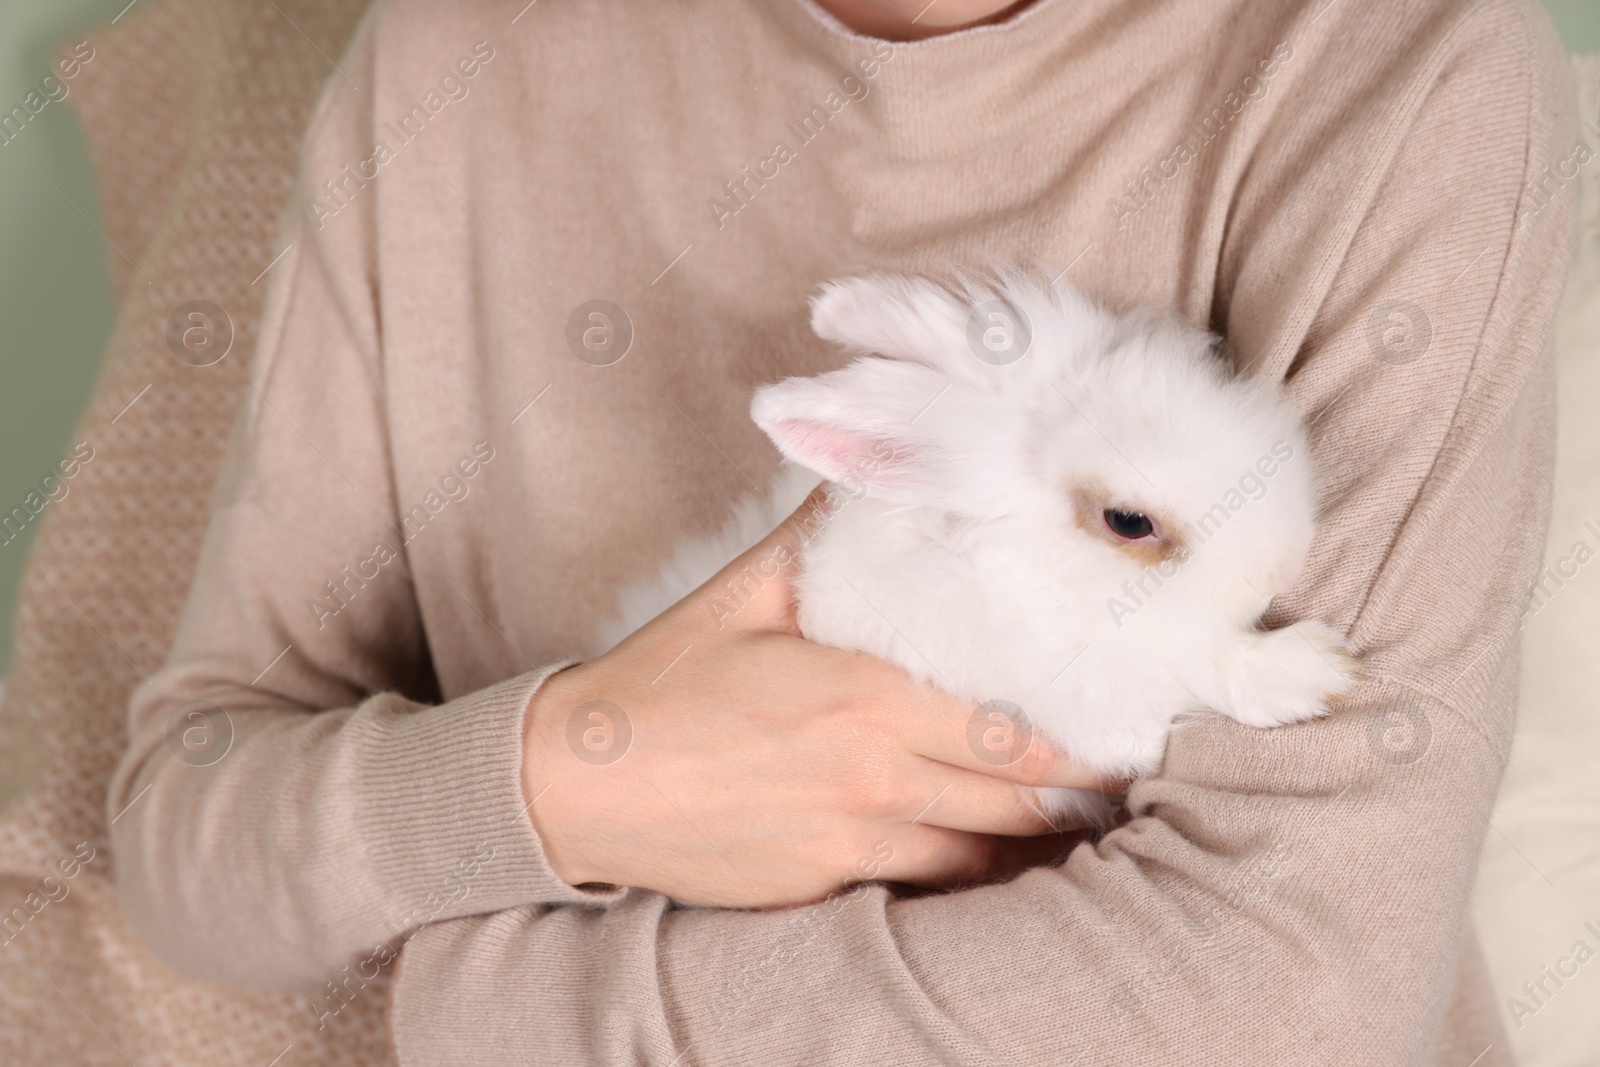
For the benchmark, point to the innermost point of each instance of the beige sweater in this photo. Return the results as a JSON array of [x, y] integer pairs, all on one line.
[[431, 495]]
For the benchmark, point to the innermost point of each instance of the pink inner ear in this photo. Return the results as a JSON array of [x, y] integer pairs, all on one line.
[[838, 453]]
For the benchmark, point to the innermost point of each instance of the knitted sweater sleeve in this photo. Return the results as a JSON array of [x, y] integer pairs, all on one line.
[[295, 798], [1231, 920]]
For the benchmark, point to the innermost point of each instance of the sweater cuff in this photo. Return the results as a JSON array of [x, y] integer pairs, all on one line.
[[450, 833]]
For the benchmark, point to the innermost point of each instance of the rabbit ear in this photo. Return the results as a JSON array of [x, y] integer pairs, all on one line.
[[858, 426], [907, 318], [977, 328]]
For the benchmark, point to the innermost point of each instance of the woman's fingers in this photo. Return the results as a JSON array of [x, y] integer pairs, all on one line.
[[995, 739], [937, 794], [934, 857]]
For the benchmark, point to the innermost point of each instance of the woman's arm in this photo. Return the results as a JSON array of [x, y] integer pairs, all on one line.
[[1287, 896], [261, 838]]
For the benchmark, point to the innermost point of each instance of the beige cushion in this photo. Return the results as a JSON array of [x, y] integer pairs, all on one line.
[[193, 113]]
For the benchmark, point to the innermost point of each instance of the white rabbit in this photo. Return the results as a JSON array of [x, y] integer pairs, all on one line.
[[1040, 505]]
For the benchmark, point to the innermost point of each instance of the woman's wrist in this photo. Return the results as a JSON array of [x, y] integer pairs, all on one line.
[[545, 786]]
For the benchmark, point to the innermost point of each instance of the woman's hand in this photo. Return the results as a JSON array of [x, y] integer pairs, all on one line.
[[718, 757]]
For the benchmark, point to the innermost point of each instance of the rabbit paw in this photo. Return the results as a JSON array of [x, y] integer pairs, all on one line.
[[1287, 675]]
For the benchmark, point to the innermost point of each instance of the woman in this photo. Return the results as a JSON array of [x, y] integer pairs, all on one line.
[[544, 255]]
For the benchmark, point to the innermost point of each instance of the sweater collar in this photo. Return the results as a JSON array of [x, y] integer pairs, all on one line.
[[814, 15], [946, 95]]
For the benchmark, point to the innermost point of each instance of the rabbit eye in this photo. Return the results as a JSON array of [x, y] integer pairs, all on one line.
[[1129, 525]]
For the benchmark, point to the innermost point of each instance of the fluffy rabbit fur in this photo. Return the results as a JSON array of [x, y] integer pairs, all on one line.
[[987, 529]]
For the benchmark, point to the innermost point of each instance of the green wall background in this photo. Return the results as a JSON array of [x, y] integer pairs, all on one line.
[[55, 295]]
